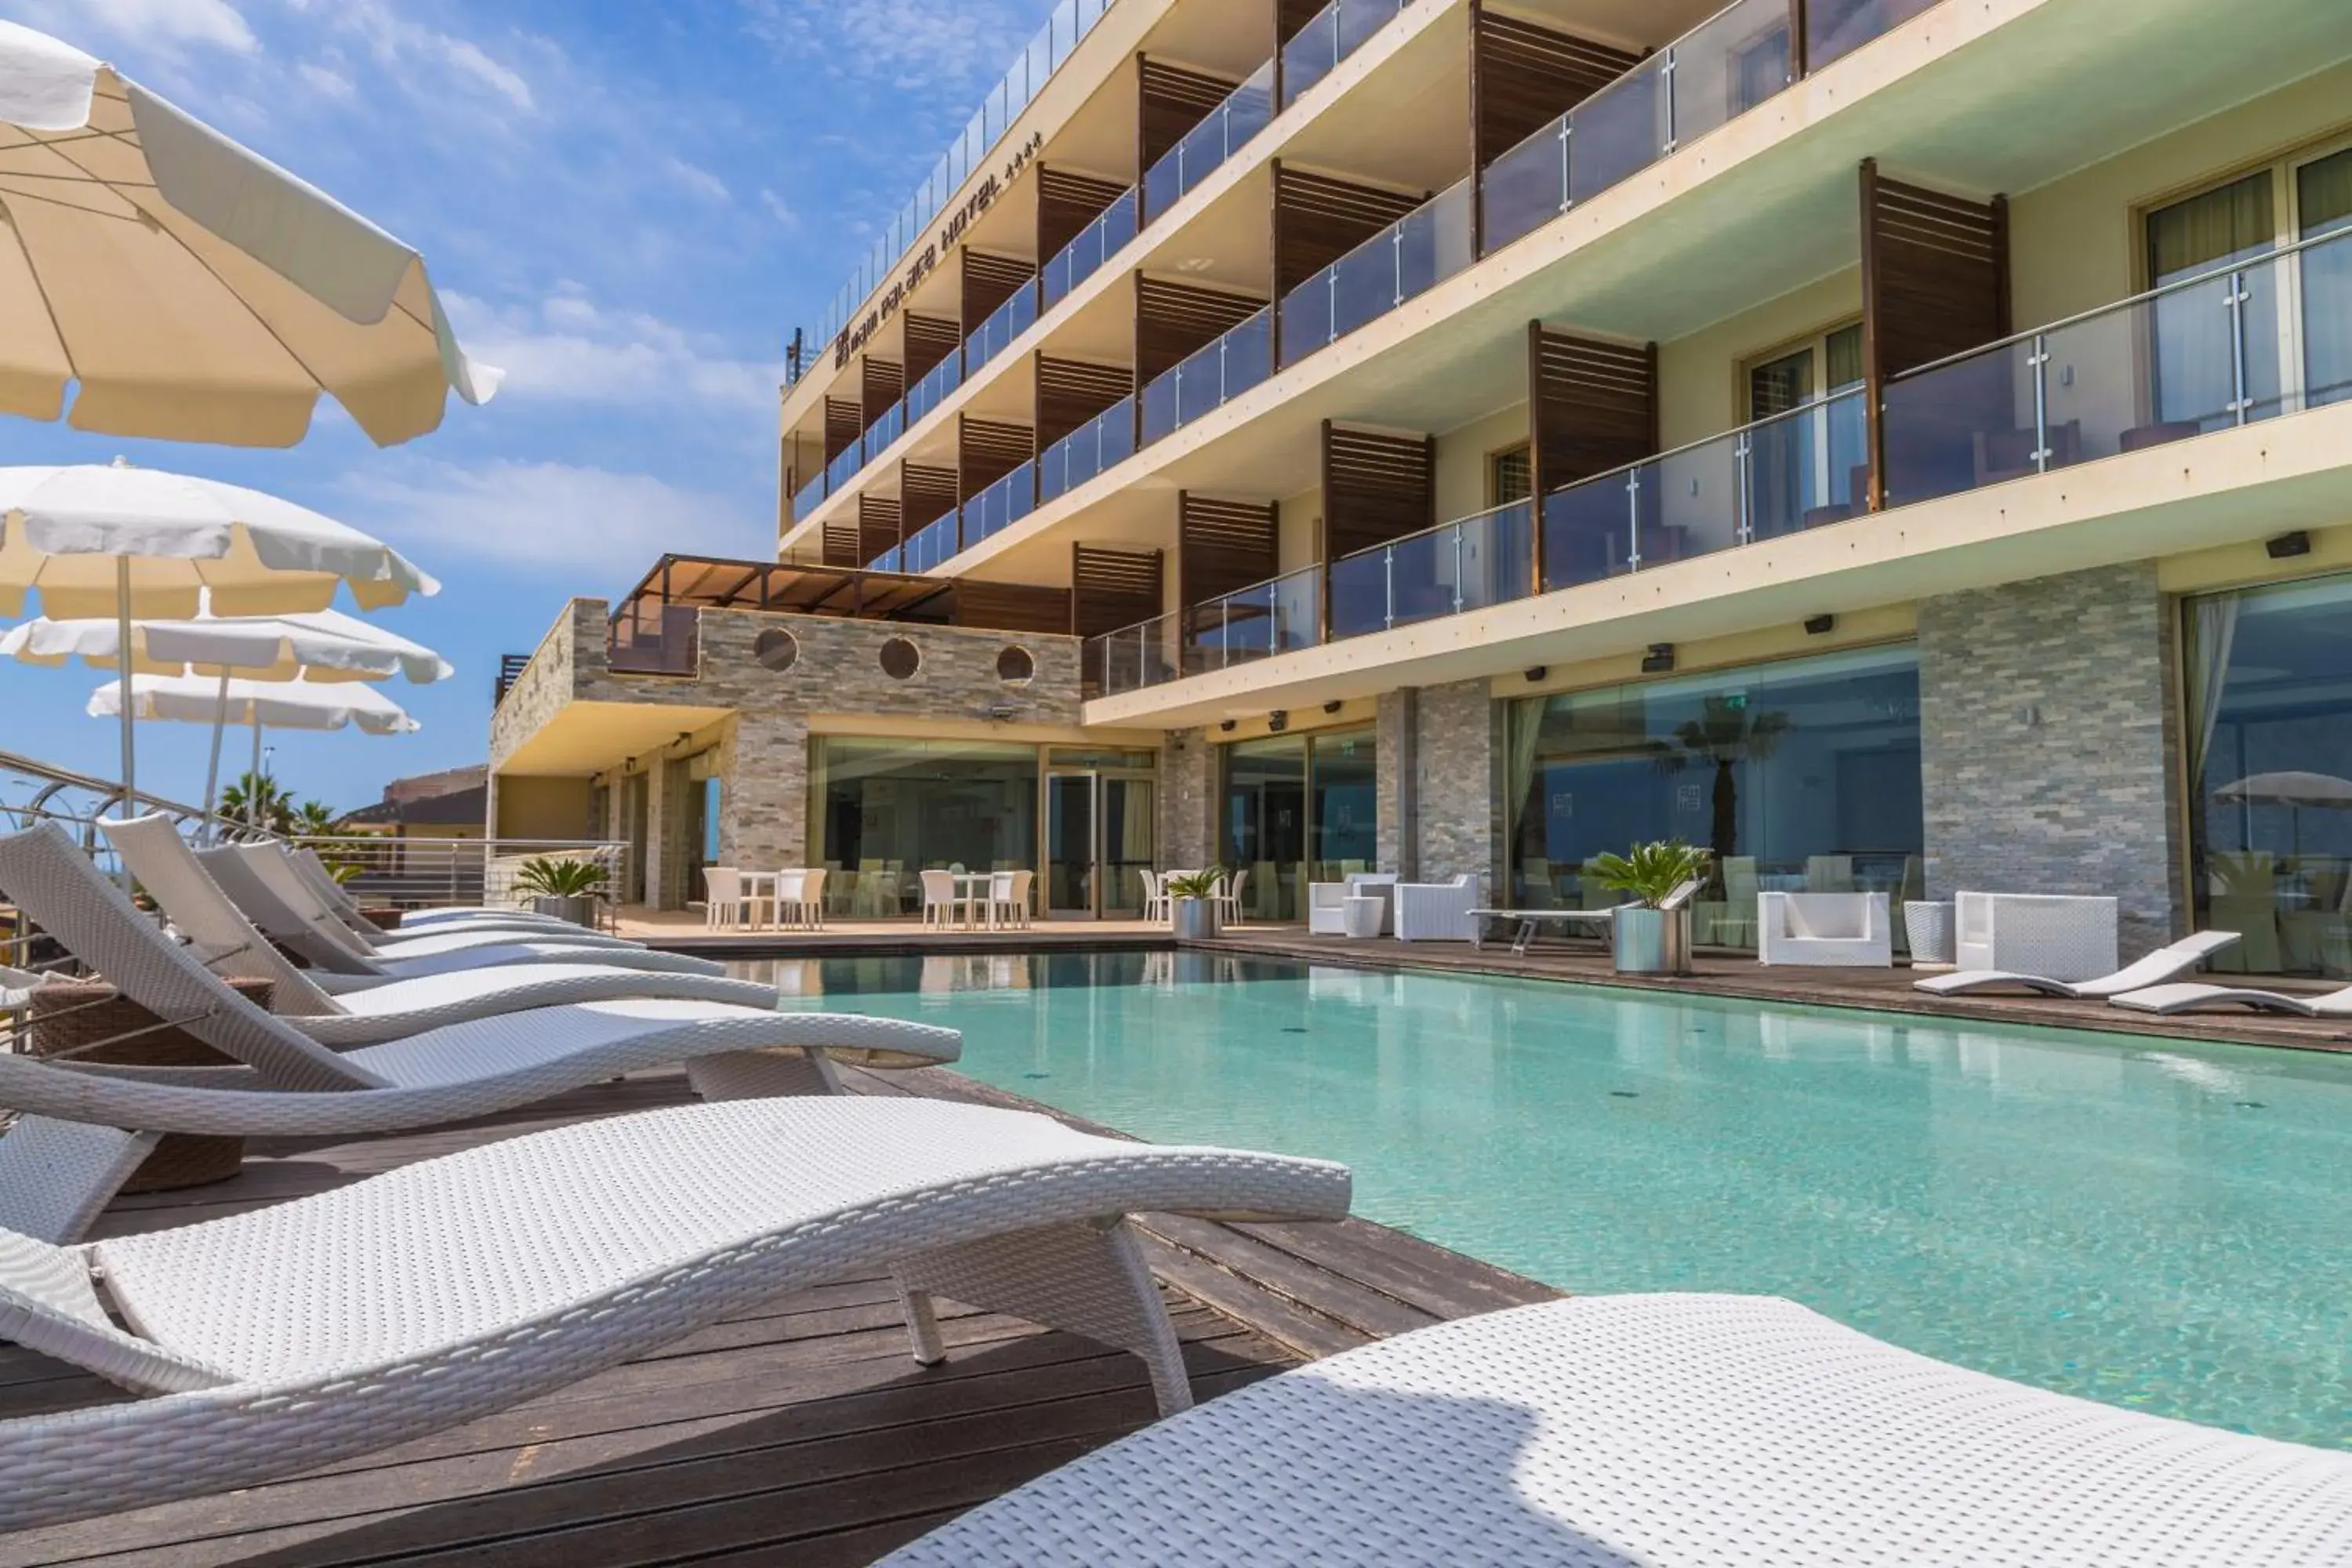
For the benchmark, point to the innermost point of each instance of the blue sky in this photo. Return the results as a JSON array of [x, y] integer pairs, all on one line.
[[627, 204]]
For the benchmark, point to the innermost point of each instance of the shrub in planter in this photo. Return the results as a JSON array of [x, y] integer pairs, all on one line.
[[562, 886], [1652, 939], [1193, 916]]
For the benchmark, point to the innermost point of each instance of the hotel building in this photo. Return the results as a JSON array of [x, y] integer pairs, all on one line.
[[1902, 444]]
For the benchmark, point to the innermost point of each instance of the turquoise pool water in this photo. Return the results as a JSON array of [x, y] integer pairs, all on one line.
[[2157, 1226]]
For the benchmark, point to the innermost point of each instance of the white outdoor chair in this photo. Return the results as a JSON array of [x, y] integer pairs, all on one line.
[[1228, 898], [722, 898], [2057, 937], [998, 909], [1326, 906], [809, 910], [1155, 893], [1436, 911], [943, 904], [309, 1333], [789, 899], [1685, 1429], [1017, 907], [1843, 929]]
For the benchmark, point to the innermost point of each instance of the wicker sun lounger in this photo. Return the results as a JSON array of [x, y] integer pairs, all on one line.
[[290, 1084], [339, 902], [2188, 996], [227, 943], [1529, 924], [2161, 966], [1696, 1431], [297, 1336]]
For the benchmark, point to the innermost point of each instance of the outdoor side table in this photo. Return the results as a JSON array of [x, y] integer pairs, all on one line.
[[1929, 925], [1362, 915]]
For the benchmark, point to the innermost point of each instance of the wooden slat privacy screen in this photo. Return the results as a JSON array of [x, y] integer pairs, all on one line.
[[1171, 101], [1113, 588], [844, 537], [987, 450], [845, 422], [878, 528], [1011, 607], [929, 339], [1591, 405], [1070, 392], [1222, 545], [1318, 219], [1376, 487], [928, 494], [1066, 203], [1172, 320], [1935, 281], [988, 282], [882, 385], [1523, 77]]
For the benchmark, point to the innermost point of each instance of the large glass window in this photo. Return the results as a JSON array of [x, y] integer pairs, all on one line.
[[1343, 819], [1802, 776], [1299, 808], [883, 810], [2269, 740]]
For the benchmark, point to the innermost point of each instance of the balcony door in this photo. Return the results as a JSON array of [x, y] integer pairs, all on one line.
[[1100, 832]]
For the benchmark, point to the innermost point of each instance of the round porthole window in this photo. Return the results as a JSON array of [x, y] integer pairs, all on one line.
[[900, 658], [1017, 667], [777, 648]]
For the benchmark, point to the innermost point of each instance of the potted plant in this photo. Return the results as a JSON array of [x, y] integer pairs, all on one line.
[[1192, 907], [562, 887], [1650, 939]]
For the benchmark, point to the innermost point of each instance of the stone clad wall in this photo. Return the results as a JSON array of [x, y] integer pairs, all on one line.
[[2048, 743], [1187, 799], [545, 684], [1459, 746]]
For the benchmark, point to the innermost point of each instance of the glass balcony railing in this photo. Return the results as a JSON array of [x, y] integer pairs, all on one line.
[[891, 559], [1338, 31], [1718, 70], [2248, 340], [935, 384], [1096, 244], [1466, 564], [1001, 505], [885, 429], [1225, 370], [1244, 113], [930, 545], [844, 466], [1793, 471], [1088, 450], [809, 497], [1131, 658], [652, 639], [1426, 246], [1834, 27], [1006, 322], [1281, 616]]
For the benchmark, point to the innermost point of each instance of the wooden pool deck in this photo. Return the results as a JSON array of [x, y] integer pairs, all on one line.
[[801, 1435]]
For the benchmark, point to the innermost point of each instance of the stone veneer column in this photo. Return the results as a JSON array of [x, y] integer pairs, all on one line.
[[1397, 778], [1458, 742], [2048, 738], [656, 846], [763, 809], [1187, 799]]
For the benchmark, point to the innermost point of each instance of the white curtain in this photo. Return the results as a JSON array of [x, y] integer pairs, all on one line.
[[2214, 631]]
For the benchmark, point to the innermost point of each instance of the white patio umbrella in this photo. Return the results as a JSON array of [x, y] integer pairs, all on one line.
[[192, 288], [286, 705], [2294, 790], [324, 647]]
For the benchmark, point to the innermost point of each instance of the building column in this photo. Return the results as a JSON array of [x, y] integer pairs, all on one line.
[[1458, 786], [1397, 749], [657, 849], [764, 785], [1187, 799], [2049, 741]]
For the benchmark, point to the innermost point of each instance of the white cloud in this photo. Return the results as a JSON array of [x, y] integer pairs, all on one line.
[[567, 348], [324, 80], [696, 179], [777, 208], [404, 47], [585, 523], [928, 44], [212, 22]]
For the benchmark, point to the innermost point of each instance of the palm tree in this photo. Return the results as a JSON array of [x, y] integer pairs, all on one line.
[[1725, 735], [315, 819], [258, 799]]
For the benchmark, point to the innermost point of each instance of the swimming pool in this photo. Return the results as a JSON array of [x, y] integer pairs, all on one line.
[[2153, 1225]]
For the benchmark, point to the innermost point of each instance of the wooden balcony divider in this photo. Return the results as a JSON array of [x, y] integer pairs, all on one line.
[[1592, 405], [1375, 487], [1070, 392], [1173, 319], [1524, 76], [1066, 203], [1318, 219], [987, 450], [1222, 545], [926, 494], [882, 383], [844, 537], [930, 340], [1169, 102], [845, 422], [1934, 282], [1112, 588], [1010, 607], [989, 282], [880, 526]]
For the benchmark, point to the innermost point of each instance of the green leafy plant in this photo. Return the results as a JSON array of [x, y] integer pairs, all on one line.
[[560, 877], [260, 800], [1651, 871], [1195, 884]]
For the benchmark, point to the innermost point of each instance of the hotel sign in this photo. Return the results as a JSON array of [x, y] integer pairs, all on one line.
[[952, 229]]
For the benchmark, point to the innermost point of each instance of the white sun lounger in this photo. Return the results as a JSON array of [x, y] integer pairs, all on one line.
[[227, 943], [291, 1085], [2160, 965], [328, 945], [339, 902], [303, 1335], [1695, 1431], [1528, 923], [2190, 996]]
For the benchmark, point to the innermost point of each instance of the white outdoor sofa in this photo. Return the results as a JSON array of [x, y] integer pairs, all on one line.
[[1326, 902], [308, 1332], [1691, 1431], [2058, 937], [1436, 911], [1850, 931]]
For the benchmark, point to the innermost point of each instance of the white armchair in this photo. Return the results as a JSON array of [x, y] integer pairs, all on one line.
[[1326, 902], [1437, 911], [1851, 931], [2056, 936]]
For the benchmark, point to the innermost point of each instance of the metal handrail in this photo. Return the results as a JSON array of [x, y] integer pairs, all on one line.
[[1810, 405]]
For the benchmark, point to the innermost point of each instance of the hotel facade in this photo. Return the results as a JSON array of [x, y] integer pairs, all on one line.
[[1902, 444]]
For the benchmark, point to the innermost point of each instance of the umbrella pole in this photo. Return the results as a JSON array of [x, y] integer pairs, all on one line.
[[124, 660], [211, 768], [253, 784]]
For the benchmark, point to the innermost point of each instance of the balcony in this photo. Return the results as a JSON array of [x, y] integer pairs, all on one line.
[[1466, 564], [1087, 451], [1001, 505], [1414, 253], [1245, 112], [928, 393], [1718, 70], [1096, 244], [809, 496], [1336, 32], [929, 546], [1006, 322], [885, 429], [1228, 367], [649, 638], [844, 466], [1281, 616]]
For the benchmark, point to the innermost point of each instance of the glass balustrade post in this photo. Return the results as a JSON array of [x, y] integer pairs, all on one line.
[[1457, 568], [2236, 299], [1224, 631], [2038, 362], [1330, 306], [1564, 197], [1666, 91], [1388, 586], [1741, 453], [1633, 519], [1396, 265]]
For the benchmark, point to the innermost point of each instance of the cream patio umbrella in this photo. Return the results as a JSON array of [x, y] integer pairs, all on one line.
[[2296, 790], [193, 290]]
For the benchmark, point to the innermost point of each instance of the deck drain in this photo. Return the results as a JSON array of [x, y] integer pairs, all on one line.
[[2250, 1105], [1623, 1094], [1292, 1029], [1037, 1075]]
